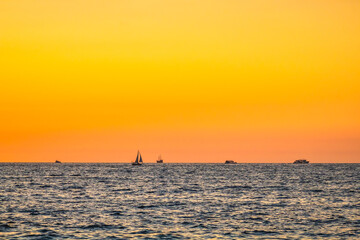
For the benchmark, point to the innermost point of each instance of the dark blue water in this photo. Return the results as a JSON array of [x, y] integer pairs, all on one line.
[[184, 201]]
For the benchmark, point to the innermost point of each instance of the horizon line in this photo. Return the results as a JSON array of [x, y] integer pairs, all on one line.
[[195, 162]]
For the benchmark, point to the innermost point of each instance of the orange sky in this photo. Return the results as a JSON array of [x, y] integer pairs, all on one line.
[[195, 81]]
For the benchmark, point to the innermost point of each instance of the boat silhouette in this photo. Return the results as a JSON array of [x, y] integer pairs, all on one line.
[[138, 160], [301, 161], [230, 162], [159, 160]]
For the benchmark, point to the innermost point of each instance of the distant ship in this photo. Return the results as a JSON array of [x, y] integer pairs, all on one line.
[[301, 161], [159, 160], [138, 160], [57, 161], [230, 162]]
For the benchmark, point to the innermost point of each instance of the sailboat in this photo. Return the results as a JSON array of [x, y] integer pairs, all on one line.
[[138, 160], [159, 160]]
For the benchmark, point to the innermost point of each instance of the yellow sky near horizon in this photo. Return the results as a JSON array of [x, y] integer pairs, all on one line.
[[195, 81]]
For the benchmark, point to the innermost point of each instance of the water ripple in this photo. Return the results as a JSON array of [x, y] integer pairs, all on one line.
[[179, 201]]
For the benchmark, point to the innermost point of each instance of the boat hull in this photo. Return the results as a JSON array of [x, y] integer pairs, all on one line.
[[301, 161], [230, 162]]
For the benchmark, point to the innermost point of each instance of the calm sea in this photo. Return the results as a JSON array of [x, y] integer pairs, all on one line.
[[179, 201]]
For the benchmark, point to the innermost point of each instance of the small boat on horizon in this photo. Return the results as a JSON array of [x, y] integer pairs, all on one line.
[[57, 161], [230, 162], [138, 160], [301, 161], [159, 160]]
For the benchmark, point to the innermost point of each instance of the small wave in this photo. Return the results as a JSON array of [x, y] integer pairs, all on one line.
[[260, 232], [45, 230], [150, 192], [349, 206], [42, 234], [327, 220], [99, 225], [56, 175], [145, 231], [242, 187], [275, 205], [257, 213], [121, 190], [256, 218], [169, 236], [104, 181], [117, 213], [315, 190], [275, 187], [201, 225], [187, 223], [185, 189], [10, 190], [5, 227], [73, 187], [234, 187], [34, 213], [171, 204], [147, 206]]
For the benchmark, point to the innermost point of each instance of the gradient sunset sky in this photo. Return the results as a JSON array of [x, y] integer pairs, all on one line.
[[195, 81]]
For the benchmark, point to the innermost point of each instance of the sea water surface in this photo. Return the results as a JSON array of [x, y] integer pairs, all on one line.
[[179, 201]]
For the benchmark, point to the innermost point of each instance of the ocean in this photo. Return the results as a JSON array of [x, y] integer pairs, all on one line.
[[179, 201]]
